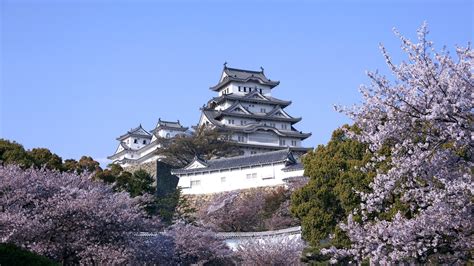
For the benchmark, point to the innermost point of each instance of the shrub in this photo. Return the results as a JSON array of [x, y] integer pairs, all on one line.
[[13, 255]]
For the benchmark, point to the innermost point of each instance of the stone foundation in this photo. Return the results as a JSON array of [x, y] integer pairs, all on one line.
[[201, 201], [149, 167]]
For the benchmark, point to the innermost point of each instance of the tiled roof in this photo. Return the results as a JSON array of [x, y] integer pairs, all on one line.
[[242, 161], [138, 131], [251, 127], [293, 167], [250, 98], [269, 147], [162, 124], [242, 75], [270, 116]]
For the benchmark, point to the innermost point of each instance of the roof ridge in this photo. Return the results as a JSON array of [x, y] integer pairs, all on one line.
[[244, 70]]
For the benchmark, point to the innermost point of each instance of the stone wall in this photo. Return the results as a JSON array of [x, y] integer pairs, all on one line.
[[200, 201], [149, 167]]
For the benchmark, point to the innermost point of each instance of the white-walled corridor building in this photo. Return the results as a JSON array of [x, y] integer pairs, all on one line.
[[242, 172]]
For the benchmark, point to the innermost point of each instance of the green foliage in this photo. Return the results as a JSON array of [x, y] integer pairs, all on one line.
[[136, 184], [14, 153], [13, 255], [329, 196], [205, 143], [141, 183], [165, 181], [70, 165], [173, 207], [86, 163], [43, 157]]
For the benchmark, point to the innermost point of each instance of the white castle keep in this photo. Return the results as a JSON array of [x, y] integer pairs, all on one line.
[[245, 108]]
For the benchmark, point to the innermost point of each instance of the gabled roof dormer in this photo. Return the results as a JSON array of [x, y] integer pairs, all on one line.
[[197, 163], [237, 107], [136, 132], [256, 95], [279, 112], [121, 147]]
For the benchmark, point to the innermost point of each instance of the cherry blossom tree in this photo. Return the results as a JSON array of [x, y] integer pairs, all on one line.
[[426, 115], [196, 245], [273, 251], [248, 211], [70, 218]]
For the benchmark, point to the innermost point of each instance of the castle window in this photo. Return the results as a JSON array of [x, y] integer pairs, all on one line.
[[293, 143], [144, 141], [272, 124], [282, 142], [243, 122], [222, 179], [241, 138], [253, 152], [252, 176], [168, 135], [260, 90], [263, 110], [245, 89], [283, 126], [135, 140], [230, 121], [195, 183]]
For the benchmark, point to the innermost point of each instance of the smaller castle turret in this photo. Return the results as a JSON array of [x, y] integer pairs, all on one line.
[[137, 145]]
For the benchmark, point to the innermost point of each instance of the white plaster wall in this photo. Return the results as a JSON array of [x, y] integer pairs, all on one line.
[[263, 138], [268, 175], [233, 87], [135, 146]]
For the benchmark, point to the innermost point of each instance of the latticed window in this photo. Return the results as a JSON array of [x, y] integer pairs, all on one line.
[[195, 183]]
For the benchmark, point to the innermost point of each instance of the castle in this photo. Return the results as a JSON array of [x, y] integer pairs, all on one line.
[[137, 146], [256, 121], [245, 107]]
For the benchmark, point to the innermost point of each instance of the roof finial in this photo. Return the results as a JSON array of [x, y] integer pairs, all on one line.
[[261, 68], [178, 121], [225, 64]]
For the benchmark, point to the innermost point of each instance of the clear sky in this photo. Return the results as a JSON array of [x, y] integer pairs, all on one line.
[[77, 74]]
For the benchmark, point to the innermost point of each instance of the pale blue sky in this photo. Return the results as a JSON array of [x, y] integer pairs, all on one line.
[[77, 74]]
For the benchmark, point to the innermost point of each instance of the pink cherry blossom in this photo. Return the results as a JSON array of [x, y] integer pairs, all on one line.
[[426, 116]]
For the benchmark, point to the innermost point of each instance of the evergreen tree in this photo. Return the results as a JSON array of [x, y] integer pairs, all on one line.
[[335, 173], [205, 143]]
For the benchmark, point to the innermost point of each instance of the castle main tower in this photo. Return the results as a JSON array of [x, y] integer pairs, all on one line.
[[245, 108]]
